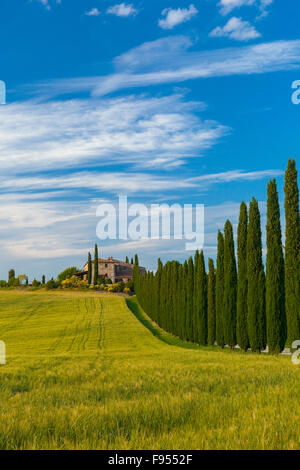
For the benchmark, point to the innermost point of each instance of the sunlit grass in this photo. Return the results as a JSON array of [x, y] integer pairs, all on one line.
[[84, 372]]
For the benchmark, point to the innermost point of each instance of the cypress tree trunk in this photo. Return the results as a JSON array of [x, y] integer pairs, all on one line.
[[96, 265], [255, 275], [292, 253], [89, 280], [275, 301], [211, 303], [230, 287], [220, 292], [241, 325]]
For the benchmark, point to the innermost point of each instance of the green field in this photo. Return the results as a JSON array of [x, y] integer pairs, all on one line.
[[85, 372]]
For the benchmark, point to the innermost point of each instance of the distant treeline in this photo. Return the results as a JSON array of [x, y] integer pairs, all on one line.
[[238, 302]]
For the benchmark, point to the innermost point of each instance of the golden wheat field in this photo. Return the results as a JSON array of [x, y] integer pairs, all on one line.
[[90, 371]]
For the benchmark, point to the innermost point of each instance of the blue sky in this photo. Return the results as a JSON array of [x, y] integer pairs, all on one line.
[[165, 101]]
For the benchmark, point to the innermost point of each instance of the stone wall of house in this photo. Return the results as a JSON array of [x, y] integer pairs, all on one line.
[[113, 269]]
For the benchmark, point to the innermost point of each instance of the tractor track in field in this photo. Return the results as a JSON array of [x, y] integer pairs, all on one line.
[[19, 324], [101, 325]]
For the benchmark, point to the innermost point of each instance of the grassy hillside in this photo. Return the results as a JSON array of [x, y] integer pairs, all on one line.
[[85, 372]]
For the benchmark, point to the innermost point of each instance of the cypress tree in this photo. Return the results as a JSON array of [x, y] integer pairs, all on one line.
[[255, 276], [136, 260], [96, 265], [275, 301], [230, 287], [200, 301], [184, 299], [220, 292], [43, 279], [196, 298], [241, 325], [190, 300], [126, 260], [131, 261], [211, 303], [89, 278], [292, 253]]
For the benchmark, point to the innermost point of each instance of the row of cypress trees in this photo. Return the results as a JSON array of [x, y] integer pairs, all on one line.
[[239, 302]]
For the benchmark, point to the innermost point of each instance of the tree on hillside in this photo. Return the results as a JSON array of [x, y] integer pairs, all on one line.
[[131, 261], [200, 301], [211, 303], [241, 323], [43, 279], [136, 260], [11, 274], [96, 265], [89, 276], [275, 301], [220, 292], [127, 260], [230, 287], [67, 274], [292, 253], [255, 275]]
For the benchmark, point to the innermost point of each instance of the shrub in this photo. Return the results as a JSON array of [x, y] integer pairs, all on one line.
[[51, 284], [67, 274]]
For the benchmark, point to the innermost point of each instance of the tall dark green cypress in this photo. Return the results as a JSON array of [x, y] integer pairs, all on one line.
[[230, 287], [126, 260], [200, 301], [255, 275], [190, 300], [89, 276], [241, 322], [96, 265], [211, 303], [196, 319], [292, 253], [220, 292], [136, 260], [184, 299], [275, 301]]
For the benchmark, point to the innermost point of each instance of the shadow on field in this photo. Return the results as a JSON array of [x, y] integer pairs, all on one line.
[[142, 317]]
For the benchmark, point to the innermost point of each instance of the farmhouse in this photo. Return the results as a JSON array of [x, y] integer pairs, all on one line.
[[112, 269]]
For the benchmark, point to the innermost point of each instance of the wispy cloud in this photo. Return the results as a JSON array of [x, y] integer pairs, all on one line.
[[93, 12], [124, 10], [236, 28], [136, 130], [168, 60], [173, 17], [181, 65]]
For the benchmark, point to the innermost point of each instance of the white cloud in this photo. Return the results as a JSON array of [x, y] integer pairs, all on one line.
[[263, 8], [47, 3], [226, 6], [141, 131], [93, 12], [123, 10], [179, 65], [237, 29], [174, 17], [168, 60]]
